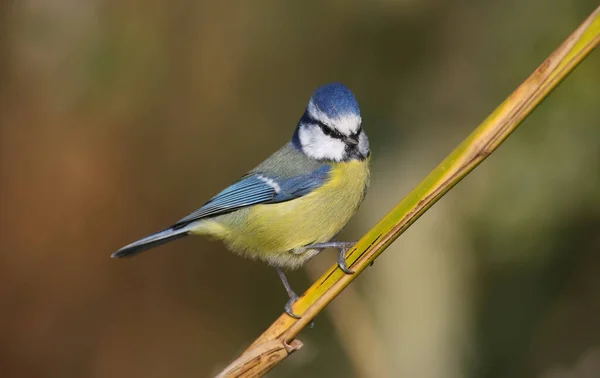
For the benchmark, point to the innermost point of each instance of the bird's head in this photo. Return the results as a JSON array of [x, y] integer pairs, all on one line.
[[331, 127]]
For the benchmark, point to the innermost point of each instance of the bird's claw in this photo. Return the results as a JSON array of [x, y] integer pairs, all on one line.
[[290, 312], [288, 307], [342, 261]]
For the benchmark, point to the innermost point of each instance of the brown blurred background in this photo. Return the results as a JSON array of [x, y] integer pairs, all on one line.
[[120, 117]]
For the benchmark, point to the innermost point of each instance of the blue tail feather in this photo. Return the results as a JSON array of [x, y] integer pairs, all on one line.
[[151, 241]]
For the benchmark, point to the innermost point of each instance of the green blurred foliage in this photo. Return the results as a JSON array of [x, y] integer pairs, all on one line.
[[119, 117]]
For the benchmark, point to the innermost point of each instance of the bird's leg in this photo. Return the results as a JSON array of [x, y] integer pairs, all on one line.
[[343, 247], [291, 294]]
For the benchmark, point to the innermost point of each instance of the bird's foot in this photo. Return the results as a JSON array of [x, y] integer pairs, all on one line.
[[343, 247], [293, 296], [290, 312], [288, 306], [341, 261]]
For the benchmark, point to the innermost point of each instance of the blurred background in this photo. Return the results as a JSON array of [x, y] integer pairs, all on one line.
[[119, 117]]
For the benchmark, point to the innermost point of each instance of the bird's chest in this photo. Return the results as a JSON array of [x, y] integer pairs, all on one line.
[[337, 200], [315, 217]]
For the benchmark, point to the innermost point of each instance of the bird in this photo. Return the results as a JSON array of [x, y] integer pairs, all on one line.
[[292, 205]]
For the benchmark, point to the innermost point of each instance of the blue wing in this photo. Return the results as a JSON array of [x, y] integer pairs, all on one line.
[[257, 188]]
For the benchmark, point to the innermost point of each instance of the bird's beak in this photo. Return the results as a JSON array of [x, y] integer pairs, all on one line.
[[353, 140]]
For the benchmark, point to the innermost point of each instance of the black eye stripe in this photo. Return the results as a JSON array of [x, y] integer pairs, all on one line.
[[309, 120], [328, 131]]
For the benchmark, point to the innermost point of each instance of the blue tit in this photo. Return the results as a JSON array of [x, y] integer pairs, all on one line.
[[290, 206]]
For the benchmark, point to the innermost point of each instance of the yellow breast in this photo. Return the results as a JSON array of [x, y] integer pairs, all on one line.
[[273, 232]]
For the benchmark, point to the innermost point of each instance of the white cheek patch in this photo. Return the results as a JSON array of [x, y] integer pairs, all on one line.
[[347, 124], [317, 145]]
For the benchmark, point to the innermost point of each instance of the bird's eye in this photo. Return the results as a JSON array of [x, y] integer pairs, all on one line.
[[330, 132]]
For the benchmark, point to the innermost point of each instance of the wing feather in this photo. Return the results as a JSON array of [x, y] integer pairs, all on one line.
[[256, 188]]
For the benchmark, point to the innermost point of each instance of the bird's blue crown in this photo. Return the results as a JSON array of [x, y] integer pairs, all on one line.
[[335, 100]]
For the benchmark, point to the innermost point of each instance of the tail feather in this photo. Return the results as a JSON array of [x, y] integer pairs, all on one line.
[[151, 241]]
